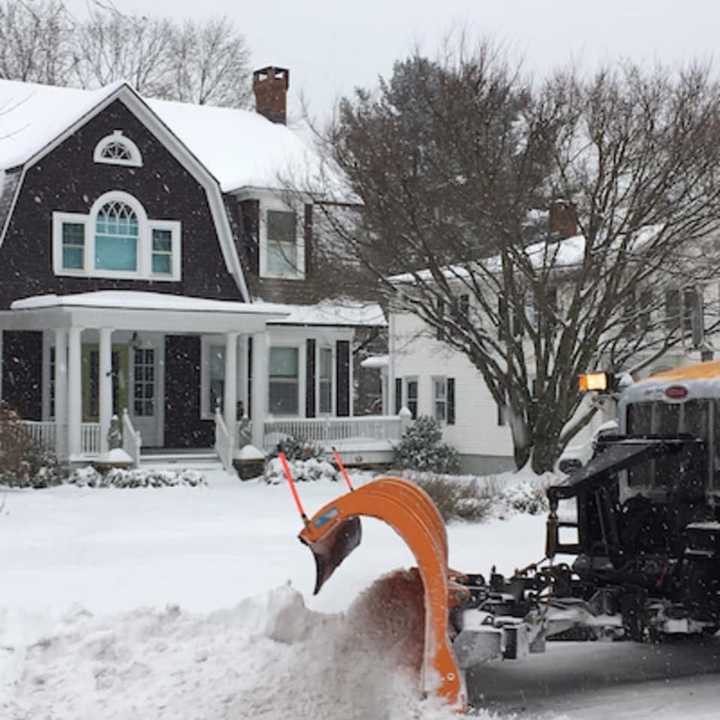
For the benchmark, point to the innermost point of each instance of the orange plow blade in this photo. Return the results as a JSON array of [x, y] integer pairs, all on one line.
[[334, 532]]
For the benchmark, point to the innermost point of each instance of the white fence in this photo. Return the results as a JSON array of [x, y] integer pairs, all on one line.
[[42, 433], [90, 438], [330, 430]]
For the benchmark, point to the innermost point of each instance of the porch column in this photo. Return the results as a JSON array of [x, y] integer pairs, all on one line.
[[61, 391], [259, 387], [74, 409], [230, 399], [105, 394]]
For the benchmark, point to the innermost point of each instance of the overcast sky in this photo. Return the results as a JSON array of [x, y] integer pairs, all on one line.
[[332, 46]]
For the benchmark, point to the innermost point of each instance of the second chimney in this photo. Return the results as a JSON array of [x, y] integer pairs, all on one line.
[[563, 221], [270, 85]]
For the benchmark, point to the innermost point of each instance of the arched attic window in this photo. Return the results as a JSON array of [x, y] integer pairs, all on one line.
[[116, 149], [117, 231]]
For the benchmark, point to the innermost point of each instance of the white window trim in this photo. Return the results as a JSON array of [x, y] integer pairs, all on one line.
[[144, 249], [300, 347], [406, 381], [118, 137], [280, 206], [58, 220], [333, 380], [438, 379]]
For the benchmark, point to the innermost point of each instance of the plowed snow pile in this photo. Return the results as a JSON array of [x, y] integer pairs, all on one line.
[[269, 658]]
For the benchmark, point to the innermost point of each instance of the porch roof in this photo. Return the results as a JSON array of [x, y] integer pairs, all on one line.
[[133, 310]]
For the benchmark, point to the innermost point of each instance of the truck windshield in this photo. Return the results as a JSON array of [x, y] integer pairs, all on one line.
[[662, 418]]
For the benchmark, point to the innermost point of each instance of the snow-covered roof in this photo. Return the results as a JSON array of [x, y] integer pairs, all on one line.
[[376, 362], [239, 147], [347, 313], [134, 300], [559, 254]]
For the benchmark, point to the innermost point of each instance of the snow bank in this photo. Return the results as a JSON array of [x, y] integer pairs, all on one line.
[[268, 658]]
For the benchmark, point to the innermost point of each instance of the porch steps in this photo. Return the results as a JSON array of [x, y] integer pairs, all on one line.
[[201, 460]]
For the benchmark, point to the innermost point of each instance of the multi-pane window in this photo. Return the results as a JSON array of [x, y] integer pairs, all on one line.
[[116, 237], [116, 150], [284, 381], [282, 243], [439, 390], [325, 379], [411, 396], [73, 246], [161, 252], [144, 382], [216, 377]]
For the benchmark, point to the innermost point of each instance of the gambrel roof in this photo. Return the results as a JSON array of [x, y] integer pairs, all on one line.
[[240, 148]]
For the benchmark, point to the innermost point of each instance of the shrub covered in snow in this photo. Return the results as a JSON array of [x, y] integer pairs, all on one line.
[[526, 497], [302, 470], [116, 477], [295, 449], [22, 462], [466, 497], [457, 500], [421, 448]]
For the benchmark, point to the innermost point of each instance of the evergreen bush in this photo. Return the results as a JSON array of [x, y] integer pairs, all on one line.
[[421, 448]]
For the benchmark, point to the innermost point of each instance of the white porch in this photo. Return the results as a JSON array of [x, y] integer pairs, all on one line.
[[90, 373], [104, 354]]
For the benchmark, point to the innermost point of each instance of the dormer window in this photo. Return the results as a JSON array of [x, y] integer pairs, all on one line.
[[116, 149], [282, 244]]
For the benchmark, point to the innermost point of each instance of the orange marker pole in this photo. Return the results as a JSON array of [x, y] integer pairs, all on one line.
[[293, 489], [343, 471]]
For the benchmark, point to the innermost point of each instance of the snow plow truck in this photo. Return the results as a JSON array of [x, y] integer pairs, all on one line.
[[632, 544]]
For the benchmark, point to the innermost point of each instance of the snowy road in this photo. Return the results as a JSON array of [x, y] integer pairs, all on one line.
[[114, 552], [590, 681]]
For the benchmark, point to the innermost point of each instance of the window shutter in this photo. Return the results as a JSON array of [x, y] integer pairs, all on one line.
[[310, 376], [249, 375], [308, 237], [342, 372], [250, 230], [398, 395], [440, 329], [451, 401]]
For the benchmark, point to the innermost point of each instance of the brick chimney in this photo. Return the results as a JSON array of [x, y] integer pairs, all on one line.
[[562, 221], [270, 85]]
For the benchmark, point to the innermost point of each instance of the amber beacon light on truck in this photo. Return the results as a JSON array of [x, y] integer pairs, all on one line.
[[603, 382]]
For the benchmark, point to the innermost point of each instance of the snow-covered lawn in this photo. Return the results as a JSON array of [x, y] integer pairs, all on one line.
[[173, 603]]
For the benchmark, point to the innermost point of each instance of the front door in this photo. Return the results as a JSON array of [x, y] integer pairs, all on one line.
[[91, 381], [144, 408]]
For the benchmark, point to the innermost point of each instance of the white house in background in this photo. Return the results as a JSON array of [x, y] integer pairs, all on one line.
[[152, 266], [424, 375]]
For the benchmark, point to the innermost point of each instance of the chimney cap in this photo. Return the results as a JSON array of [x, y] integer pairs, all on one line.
[[272, 72]]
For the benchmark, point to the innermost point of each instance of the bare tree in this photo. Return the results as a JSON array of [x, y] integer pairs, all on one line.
[[210, 64], [452, 160], [109, 45], [35, 41]]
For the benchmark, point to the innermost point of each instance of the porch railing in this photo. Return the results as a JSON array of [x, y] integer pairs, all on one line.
[[42, 433], [132, 440], [224, 445], [90, 438], [326, 431]]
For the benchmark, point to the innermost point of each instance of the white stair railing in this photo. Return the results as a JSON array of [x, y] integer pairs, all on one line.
[[224, 445], [132, 440]]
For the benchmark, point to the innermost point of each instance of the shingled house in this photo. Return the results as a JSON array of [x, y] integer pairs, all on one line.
[[152, 266]]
